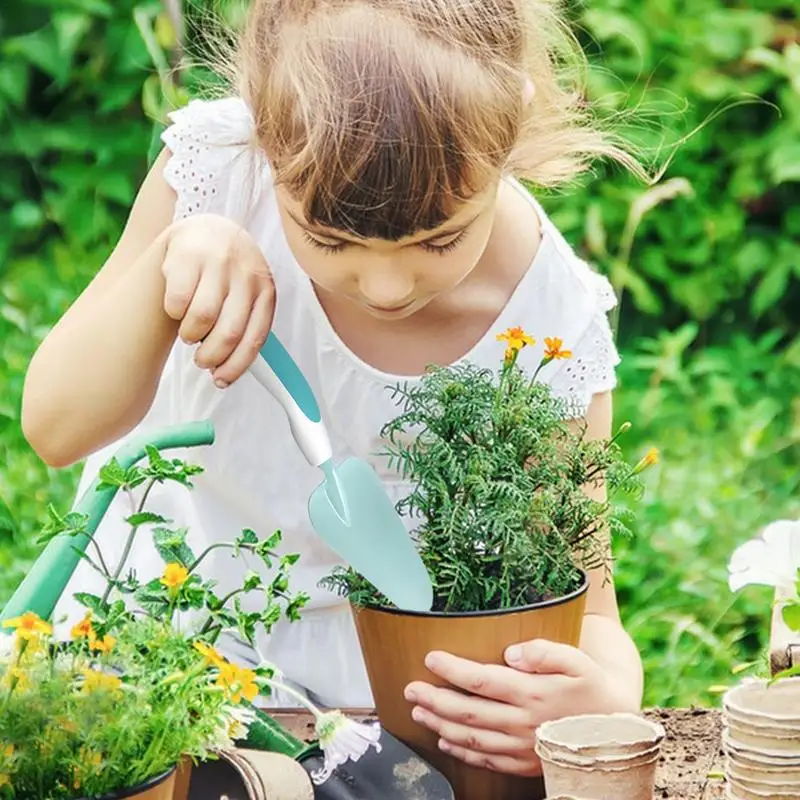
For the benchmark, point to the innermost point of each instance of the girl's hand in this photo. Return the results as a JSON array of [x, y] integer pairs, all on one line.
[[219, 287], [494, 726]]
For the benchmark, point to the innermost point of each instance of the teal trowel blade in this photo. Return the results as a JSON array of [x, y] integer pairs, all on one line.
[[370, 536]]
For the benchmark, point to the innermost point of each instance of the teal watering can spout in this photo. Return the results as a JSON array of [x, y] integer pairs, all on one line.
[[48, 578]]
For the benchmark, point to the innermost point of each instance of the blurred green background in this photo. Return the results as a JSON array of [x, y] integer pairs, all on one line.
[[706, 265]]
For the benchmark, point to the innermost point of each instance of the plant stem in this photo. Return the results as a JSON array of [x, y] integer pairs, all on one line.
[[208, 549], [129, 544], [207, 624]]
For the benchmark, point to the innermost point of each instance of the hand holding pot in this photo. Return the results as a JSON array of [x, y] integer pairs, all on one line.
[[493, 726]]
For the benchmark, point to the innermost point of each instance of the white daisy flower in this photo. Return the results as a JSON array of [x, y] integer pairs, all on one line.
[[342, 739]]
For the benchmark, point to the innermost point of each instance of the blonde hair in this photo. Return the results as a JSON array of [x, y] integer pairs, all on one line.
[[380, 117]]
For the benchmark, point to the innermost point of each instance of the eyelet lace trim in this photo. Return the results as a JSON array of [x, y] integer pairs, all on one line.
[[592, 368], [210, 142]]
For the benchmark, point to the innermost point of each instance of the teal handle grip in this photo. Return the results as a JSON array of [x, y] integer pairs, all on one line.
[[290, 376], [44, 584]]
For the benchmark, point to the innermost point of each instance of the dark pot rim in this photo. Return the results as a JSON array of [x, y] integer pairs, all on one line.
[[498, 612], [151, 783]]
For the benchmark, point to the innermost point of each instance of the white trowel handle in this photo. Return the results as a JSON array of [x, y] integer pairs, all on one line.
[[277, 372]]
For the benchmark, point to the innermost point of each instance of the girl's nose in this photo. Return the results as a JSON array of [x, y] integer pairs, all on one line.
[[385, 286]]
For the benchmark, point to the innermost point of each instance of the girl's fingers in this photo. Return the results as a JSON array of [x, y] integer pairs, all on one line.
[[526, 765], [229, 327], [481, 740], [182, 276], [469, 710], [205, 307], [252, 340]]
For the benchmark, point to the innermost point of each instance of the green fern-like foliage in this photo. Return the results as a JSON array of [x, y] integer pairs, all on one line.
[[497, 475]]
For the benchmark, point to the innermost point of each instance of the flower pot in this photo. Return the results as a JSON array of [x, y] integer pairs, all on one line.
[[183, 778], [603, 756], [395, 643], [161, 787], [758, 790], [757, 703]]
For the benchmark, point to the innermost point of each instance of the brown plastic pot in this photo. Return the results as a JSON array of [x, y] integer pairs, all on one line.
[[183, 779], [395, 643], [160, 787]]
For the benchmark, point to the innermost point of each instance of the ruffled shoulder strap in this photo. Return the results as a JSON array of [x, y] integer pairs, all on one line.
[[216, 165], [592, 368]]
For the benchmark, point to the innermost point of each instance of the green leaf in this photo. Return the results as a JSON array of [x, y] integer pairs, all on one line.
[[93, 603], [8, 525], [145, 518], [252, 580], [171, 545], [247, 537], [771, 288], [153, 598], [112, 475], [791, 616]]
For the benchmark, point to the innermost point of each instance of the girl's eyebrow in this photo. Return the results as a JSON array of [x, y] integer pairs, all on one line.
[[325, 234]]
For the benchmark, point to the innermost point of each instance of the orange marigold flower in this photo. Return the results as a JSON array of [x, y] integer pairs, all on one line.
[[175, 575], [84, 629], [28, 625], [238, 682], [516, 338], [553, 349], [104, 645]]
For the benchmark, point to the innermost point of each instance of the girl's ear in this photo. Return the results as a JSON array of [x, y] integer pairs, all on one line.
[[528, 91]]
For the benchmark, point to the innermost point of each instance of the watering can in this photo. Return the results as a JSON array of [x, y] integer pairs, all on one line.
[[374, 775]]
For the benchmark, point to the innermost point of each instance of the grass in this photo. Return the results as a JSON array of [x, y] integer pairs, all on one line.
[[722, 419]]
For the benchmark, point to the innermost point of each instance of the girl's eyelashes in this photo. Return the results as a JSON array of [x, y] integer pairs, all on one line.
[[441, 249], [331, 249], [324, 246]]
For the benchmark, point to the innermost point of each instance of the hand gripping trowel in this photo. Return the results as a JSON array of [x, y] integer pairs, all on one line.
[[350, 509]]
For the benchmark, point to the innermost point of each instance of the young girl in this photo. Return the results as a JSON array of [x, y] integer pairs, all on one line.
[[354, 193]]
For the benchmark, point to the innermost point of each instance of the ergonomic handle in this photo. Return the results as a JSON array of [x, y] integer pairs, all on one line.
[[44, 584], [277, 372]]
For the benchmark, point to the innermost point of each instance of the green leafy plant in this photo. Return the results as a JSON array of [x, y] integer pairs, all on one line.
[[498, 477], [180, 587]]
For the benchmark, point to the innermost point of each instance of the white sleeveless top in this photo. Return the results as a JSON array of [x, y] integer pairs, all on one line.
[[255, 476]]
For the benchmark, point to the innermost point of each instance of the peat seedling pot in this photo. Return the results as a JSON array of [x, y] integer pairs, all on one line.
[[160, 787], [395, 643], [602, 756], [762, 739]]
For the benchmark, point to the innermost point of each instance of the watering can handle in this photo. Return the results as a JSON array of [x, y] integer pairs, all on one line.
[[48, 577], [278, 373]]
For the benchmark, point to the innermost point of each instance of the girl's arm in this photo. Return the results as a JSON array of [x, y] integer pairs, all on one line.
[[603, 637], [202, 278], [95, 375]]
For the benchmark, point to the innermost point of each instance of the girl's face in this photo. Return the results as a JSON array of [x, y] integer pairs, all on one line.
[[391, 280]]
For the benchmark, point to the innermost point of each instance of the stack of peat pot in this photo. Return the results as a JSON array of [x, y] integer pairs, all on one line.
[[761, 740]]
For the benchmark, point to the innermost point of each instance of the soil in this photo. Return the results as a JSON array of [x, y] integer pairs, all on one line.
[[691, 754], [691, 761]]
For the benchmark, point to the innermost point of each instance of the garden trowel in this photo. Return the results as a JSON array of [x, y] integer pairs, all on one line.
[[349, 509]]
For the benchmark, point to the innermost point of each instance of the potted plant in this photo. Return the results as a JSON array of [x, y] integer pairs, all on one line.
[[188, 701], [762, 715], [505, 529], [104, 716]]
